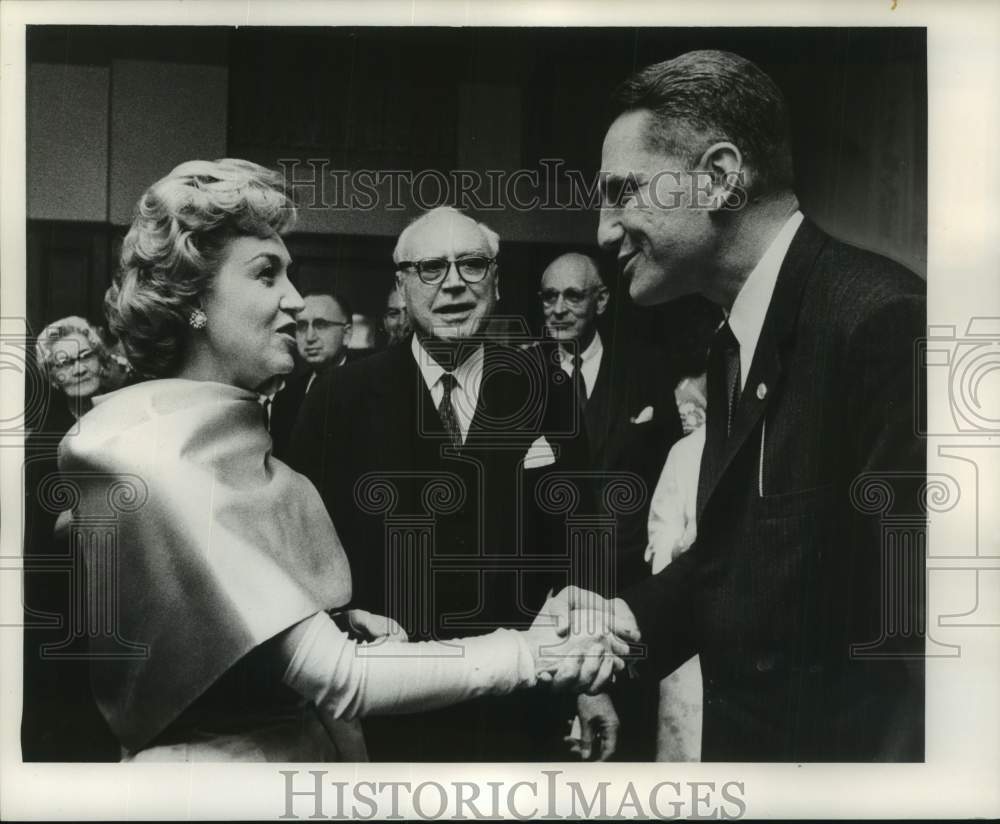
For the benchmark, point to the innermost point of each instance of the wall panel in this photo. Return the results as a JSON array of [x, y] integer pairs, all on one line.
[[67, 140], [161, 114]]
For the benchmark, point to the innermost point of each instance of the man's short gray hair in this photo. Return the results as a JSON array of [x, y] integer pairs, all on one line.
[[492, 238]]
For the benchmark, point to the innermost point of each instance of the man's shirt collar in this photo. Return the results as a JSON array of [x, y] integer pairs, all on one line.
[[593, 350], [467, 374], [746, 318], [590, 362]]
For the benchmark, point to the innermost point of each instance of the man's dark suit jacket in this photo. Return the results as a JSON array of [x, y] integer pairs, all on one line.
[[284, 412], [287, 403], [450, 542], [633, 383], [632, 379], [784, 592]]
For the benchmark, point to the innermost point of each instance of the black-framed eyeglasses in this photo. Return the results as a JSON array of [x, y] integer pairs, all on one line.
[[471, 268], [320, 325], [572, 297]]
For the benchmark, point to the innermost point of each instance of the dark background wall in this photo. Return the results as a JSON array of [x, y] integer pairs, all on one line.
[[110, 109]]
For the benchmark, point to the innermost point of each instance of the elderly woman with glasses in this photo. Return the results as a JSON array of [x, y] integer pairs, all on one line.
[[223, 648], [73, 358], [60, 721]]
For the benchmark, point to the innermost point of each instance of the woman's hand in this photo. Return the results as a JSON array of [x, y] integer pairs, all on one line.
[[370, 626]]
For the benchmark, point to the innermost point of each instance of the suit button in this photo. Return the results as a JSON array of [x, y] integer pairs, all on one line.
[[765, 663]]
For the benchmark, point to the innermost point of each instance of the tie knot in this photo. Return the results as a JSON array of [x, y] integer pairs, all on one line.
[[448, 382], [577, 362], [725, 339]]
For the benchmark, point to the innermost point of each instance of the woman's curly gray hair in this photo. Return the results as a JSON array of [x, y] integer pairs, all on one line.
[[59, 329], [178, 238]]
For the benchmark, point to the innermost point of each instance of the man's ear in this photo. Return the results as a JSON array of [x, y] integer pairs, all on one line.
[[496, 283], [721, 177], [348, 328], [602, 299]]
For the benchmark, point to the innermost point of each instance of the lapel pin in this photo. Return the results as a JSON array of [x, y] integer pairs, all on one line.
[[761, 391]]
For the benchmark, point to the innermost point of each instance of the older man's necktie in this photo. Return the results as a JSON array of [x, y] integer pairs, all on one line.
[[447, 412]]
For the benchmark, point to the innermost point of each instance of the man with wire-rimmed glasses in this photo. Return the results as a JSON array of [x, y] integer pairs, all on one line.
[[625, 394], [430, 457], [322, 335]]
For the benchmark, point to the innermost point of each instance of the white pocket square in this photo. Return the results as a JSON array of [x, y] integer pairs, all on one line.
[[644, 416], [539, 454]]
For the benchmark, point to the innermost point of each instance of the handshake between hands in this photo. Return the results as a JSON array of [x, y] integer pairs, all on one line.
[[579, 639]]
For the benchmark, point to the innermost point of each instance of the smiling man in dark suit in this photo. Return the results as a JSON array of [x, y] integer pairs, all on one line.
[[432, 458], [808, 621]]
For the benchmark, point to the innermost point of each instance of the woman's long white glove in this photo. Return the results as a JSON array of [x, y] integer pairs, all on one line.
[[348, 680]]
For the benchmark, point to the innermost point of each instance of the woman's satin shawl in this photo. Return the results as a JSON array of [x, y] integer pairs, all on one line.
[[218, 545]]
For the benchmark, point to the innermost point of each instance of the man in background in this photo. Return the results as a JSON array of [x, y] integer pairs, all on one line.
[[322, 334], [626, 399], [624, 392], [395, 321]]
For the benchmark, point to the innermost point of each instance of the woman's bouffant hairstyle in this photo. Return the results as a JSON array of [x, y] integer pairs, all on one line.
[[59, 329], [176, 244]]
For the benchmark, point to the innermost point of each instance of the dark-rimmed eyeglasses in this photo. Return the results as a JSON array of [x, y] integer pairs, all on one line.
[[571, 297], [471, 268]]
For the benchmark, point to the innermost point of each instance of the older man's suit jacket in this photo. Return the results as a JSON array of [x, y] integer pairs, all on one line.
[[450, 542], [804, 592]]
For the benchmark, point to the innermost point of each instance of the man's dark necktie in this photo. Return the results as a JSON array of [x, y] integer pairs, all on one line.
[[723, 400], [579, 386], [447, 412], [733, 375]]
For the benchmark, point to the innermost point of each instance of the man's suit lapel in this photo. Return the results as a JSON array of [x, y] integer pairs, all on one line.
[[399, 394], [502, 395], [767, 368], [602, 406]]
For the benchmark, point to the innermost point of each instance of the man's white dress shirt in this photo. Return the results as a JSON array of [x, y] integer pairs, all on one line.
[[468, 378]]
